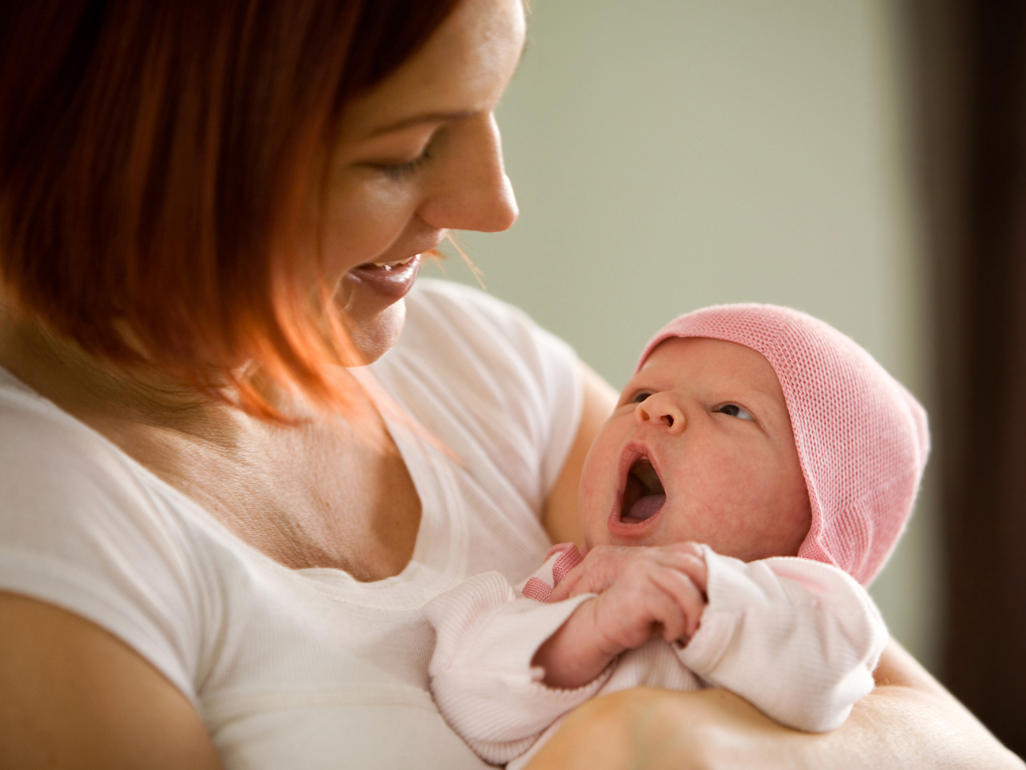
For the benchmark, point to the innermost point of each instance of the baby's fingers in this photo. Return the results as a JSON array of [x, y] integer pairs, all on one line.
[[594, 574], [564, 586], [672, 620], [688, 558], [687, 597], [635, 615]]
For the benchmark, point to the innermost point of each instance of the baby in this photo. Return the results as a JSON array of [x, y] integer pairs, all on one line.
[[755, 475]]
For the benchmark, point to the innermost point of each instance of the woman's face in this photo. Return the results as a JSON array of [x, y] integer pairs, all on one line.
[[419, 154]]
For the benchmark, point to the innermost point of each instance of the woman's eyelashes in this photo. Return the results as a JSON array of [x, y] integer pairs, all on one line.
[[399, 171]]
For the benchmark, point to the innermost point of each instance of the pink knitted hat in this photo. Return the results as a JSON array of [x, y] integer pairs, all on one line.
[[861, 437]]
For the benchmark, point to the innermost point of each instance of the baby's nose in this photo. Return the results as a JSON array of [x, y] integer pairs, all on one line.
[[661, 409]]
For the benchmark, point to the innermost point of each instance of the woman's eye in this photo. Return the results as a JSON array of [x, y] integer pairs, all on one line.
[[734, 410], [399, 171]]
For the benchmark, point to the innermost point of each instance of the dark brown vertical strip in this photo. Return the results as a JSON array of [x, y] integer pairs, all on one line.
[[970, 77]]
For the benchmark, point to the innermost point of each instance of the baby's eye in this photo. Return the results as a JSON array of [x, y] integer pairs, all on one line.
[[734, 410], [638, 397]]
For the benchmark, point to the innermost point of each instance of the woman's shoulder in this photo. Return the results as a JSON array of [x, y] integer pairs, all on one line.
[[474, 335], [47, 454], [462, 344], [492, 384], [70, 495], [464, 308], [83, 528]]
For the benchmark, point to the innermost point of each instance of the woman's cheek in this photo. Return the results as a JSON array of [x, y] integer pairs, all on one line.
[[360, 234], [363, 218]]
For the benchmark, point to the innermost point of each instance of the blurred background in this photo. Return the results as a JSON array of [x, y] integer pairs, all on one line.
[[862, 160]]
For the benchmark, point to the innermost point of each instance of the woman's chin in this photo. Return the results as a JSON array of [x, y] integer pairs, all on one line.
[[374, 336]]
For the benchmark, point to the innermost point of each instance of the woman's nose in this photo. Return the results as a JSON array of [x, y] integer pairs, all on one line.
[[660, 409], [472, 191]]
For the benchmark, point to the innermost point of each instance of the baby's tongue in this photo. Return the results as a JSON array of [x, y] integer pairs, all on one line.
[[645, 507]]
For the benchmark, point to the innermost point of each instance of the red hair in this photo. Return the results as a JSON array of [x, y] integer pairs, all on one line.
[[155, 159]]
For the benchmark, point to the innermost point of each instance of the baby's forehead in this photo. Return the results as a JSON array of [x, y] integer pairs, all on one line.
[[711, 360]]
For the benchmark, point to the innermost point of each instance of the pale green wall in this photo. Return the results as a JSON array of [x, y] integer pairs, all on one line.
[[672, 154]]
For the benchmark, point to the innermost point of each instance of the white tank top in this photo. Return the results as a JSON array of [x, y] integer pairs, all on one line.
[[304, 668]]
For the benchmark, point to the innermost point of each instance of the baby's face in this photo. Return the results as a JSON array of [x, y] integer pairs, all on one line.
[[699, 448]]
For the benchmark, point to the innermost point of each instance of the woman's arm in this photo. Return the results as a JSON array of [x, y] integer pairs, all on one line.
[[560, 514], [908, 720], [76, 697], [914, 723]]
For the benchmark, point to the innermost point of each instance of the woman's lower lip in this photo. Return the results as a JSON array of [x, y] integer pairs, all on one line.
[[393, 282]]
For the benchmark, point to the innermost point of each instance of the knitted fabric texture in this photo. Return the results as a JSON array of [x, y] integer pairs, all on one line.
[[862, 438]]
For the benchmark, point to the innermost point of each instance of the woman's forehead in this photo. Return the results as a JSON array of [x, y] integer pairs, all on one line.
[[463, 68]]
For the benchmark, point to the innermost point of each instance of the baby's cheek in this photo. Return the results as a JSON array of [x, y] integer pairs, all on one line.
[[592, 514], [599, 467]]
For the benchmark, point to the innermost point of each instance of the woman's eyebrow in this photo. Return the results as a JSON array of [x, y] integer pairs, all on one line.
[[423, 117], [438, 116]]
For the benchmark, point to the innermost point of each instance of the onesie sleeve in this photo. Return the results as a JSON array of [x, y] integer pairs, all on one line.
[[797, 638], [79, 530], [481, 673]]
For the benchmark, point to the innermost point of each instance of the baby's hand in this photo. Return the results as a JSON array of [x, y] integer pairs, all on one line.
[[642, 592], [604, 563]]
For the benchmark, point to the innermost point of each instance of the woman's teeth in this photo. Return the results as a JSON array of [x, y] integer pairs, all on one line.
[[395, 264]]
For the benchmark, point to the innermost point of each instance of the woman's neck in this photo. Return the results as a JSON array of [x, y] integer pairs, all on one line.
[[279, 489], [122, 402], [94, 390]]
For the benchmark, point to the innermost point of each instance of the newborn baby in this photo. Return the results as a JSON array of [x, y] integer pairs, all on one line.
[[754, 476]]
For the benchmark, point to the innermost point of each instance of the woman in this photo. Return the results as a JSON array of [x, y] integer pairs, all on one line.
[[217, 530]]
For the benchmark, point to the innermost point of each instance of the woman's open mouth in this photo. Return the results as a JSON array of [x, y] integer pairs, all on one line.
[[393, 280], [643, 494]]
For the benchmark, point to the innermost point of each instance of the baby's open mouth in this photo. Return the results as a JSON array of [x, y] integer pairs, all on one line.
[[643, 493]]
